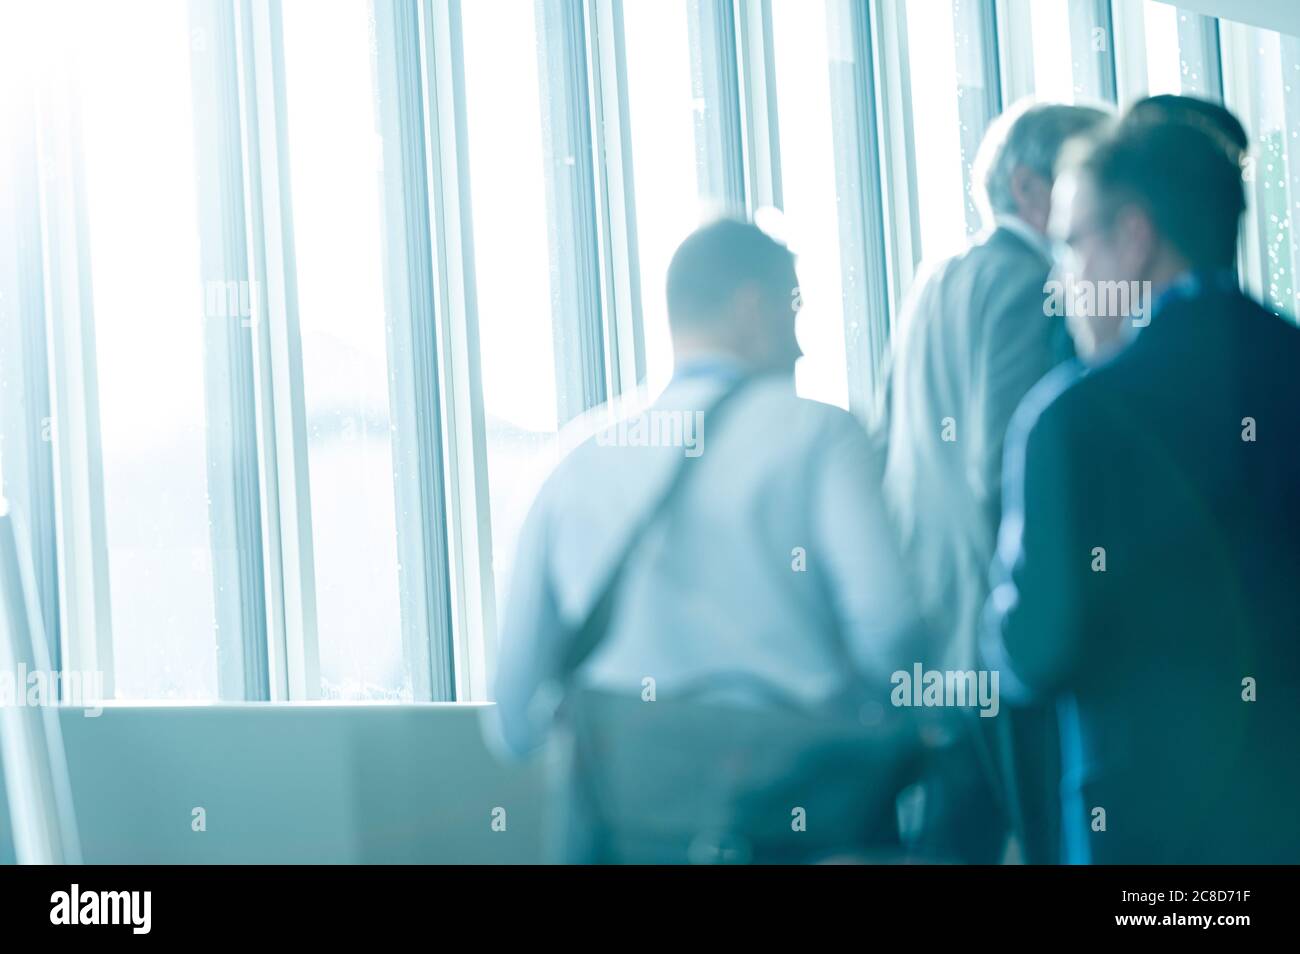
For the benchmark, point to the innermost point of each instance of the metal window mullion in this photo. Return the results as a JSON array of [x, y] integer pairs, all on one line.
[[277, 678], [85, 610], [611, 145], [1198, 48], [234, 497], [1092, 43], [573, 238], [412, 356], [1015, 46], [1238, 53], [715, 84], [1289, 298], [979, 93], [1130, 43], [858, 174], [25, 414], [760, 128], [293, 651], [891, 69], [35, 789], [469, 518]]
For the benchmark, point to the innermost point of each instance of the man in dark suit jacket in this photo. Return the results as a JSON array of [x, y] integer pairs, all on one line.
[[1148, 567]]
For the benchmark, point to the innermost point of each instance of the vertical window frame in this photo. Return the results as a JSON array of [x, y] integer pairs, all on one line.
[[27, 421], [575, 236], [85, 610], [469, 518], [414, 369], [231, 438], [715, 80], [760, 125], [613, 181], [860, 186], [293, 656], [1094, 69]]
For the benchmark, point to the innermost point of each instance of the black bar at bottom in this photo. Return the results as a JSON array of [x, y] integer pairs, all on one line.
[[332, 904]]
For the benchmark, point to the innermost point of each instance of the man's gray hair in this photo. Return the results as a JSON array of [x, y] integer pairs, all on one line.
[[1031, 135]]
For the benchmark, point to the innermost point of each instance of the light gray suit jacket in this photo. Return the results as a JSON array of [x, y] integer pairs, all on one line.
[[975, 338]]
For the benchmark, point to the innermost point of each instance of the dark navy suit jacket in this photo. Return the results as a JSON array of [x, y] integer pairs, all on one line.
[[1178, 464]]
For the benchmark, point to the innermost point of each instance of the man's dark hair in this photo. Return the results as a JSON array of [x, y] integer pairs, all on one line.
[[717, 260], [1209, 116], [1184, 180]]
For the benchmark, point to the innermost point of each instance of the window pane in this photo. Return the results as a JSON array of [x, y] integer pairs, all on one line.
[[516, 334], [335, 156], [941, 192], [808, 183], [663, 115], [1164, 66], [138, 157], [1199, 69], [1053, 54], [1270, 114]]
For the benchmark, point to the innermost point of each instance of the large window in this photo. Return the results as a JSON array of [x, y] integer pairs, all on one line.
[[149, 324], [455, 219]]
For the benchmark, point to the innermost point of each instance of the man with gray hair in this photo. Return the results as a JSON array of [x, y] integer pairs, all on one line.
[[973, 338]]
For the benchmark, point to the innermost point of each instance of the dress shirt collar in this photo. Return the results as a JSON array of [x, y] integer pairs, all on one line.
[[717, 365], [1193, 284], [1026, 233]]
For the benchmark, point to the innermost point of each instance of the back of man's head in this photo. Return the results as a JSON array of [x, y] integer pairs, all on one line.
[[1027, 137], [731, 287], [1184, 181], [1206, 115]]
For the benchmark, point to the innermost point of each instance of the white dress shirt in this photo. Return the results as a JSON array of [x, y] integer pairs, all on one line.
[[774, 570]]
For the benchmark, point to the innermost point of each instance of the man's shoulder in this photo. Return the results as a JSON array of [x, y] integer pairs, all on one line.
[[996, 265], [768, 403], [1059, 396], [1219, 329], [1277, 334], [1000, 249], [771, 410], [1078, 403], [818, 416], [610, 458]]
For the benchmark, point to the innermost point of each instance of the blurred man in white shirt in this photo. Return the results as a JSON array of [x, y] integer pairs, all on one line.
[[773, 576]]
